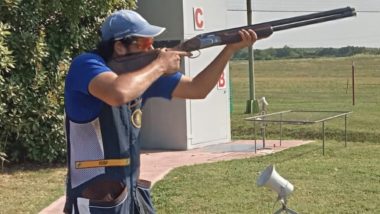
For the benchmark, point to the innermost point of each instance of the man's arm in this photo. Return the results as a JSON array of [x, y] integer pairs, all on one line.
[[199, 86], [116, 89]]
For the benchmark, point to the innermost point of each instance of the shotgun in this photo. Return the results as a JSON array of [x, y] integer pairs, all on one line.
[[228, 36]]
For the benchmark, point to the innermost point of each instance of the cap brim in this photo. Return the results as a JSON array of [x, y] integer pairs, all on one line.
[[150, 31]]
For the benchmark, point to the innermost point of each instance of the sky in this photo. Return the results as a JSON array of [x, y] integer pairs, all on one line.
[[362, 30]]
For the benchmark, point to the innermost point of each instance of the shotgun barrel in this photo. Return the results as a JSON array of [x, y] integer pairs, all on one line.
[[228, 36], [263, 30], [317, 15]]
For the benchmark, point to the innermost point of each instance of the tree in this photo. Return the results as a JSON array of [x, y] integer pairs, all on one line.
[[38, 38]]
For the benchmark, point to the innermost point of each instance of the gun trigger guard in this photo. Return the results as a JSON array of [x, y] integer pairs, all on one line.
[[192, 56]]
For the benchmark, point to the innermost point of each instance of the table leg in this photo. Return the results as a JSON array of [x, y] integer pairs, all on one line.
[[345, 130], [323, 138], [254, 135]]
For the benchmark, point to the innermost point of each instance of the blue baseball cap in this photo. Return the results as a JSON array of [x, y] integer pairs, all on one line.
[[126, 23]]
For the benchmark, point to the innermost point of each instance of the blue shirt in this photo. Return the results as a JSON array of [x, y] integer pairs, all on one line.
[[81, 106]]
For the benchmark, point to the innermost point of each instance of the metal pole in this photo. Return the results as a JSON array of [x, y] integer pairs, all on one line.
[[280, 129], [250, 54], [345, 130], [263, 135], [254, 135], [323, 138], [249, 108], [353, 83]]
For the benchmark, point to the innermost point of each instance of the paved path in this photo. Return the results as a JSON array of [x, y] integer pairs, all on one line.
[[156, 164]]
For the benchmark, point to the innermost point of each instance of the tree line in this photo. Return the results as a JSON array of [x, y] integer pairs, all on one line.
[[296, 53]]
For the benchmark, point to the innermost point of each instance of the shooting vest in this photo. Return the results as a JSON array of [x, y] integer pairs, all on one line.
[[104, 162]]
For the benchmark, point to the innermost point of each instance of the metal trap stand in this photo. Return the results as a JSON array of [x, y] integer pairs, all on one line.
[[284, 208]]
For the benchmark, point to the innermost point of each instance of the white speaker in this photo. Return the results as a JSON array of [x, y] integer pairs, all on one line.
[[271, 179], [263, 105], [264, 101]]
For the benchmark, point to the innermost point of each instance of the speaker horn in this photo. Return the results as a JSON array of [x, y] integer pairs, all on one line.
[[264, 101], [271, 179]]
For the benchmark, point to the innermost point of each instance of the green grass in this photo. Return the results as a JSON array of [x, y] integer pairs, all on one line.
[[312, 84], [345, 180], [30, 188]]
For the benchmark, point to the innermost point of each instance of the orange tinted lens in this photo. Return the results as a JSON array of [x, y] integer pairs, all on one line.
[[144, 43]]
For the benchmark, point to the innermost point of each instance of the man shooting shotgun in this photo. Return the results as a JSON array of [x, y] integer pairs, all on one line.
[[105, 90], [103, 112]]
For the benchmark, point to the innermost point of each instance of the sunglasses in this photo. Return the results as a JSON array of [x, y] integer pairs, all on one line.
[[143, 42]]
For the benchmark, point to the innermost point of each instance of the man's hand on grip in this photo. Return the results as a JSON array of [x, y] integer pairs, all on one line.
[[248, 38], [170, 59]]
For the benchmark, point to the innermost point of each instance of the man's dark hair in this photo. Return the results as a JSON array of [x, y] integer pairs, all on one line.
[[105, 48]]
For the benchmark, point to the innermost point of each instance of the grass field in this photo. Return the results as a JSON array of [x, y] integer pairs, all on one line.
[[313, 84], [345, 180], [27, 189]]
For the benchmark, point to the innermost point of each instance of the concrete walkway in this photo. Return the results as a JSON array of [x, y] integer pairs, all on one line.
[[156, 164]]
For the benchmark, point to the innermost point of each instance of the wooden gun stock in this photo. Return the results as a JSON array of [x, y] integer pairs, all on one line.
[[228, 36]]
